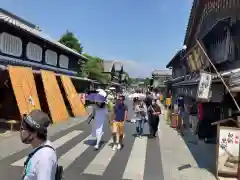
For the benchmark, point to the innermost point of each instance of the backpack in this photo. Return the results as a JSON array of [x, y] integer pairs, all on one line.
[[59, 170]]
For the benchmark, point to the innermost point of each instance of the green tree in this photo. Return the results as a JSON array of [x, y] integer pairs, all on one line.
[[93, 69], [71, 41]]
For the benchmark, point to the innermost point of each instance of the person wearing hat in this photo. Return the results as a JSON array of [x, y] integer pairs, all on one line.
[[41, 163]]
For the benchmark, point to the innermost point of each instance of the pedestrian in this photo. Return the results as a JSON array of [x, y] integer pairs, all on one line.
[[119, 117], [41, 163], [110, 105], [100, 116], [149, 99], [154, 111], [140, 110], [181, 112]]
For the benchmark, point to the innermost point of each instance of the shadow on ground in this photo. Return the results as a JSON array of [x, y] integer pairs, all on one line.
[[203, 153]]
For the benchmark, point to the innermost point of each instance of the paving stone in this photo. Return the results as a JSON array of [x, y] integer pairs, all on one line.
[[177, 159], [11, 144]]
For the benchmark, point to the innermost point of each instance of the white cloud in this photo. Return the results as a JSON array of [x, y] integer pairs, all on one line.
[[136, 69], [133, 68]]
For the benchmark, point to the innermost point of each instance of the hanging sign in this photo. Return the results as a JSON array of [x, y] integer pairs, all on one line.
[[204, 86]]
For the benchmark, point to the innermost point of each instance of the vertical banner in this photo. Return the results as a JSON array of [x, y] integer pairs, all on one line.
[[24, 88], [54, 97], [204, 87], [78, 108]]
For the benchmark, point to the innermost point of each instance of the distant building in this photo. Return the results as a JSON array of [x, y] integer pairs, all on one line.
[[159, 77]]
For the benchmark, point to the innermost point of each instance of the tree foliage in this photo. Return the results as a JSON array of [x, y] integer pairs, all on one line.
[[93, 69], [71, 41]]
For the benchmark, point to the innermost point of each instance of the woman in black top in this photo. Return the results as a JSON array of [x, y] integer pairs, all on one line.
[[154, 111]]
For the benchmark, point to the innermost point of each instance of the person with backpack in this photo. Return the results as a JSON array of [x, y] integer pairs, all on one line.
[[41, 163]]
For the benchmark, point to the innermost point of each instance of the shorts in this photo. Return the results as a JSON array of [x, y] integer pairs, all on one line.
[[118, 127]]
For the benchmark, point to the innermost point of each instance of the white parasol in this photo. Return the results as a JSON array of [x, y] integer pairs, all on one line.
[[137, 95], [102, 92]]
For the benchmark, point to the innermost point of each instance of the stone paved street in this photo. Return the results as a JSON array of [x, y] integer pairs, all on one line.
[[165, 158], [177, 156]]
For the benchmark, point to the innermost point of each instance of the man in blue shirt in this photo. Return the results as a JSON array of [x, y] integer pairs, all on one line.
[[119, 117]]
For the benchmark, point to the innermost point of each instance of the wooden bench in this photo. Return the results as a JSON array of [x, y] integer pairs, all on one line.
[[10, 122]]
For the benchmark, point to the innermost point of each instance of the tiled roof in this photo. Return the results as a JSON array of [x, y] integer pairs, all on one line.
[[108, 65], [190, 21], [30, 28], [162, 72], [118, 65]]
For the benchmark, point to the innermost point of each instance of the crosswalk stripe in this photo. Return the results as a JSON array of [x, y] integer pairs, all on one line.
[[56, 144], [136, 163], [101, 161], [67, 159]]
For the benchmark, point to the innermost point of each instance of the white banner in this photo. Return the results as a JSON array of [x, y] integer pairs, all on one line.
[[204, 87]]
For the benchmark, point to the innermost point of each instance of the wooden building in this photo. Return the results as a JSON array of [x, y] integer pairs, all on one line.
[[116, 73], [158, 79], [215, 24], [37, 72]]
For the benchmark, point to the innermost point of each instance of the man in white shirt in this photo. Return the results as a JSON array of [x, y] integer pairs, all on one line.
[[41, 163]]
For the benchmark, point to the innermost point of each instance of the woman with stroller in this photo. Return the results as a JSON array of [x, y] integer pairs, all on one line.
[[140, 110]]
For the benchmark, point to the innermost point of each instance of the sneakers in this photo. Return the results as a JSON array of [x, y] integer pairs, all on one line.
[[117, 147], [114, 147], [96, 147]]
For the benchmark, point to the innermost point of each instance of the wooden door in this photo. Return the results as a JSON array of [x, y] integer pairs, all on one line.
[[77, 106], [54, 97], [24, 88]]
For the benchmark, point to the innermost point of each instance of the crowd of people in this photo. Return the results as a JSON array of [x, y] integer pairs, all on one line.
[[42, 161]]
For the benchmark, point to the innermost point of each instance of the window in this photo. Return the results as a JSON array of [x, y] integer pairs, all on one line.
[[51, 57], [63, 61], [11, 45], [34, 52]]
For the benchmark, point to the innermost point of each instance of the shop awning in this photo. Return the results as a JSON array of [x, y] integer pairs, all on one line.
[[175, 80], [3, 67], [195, 80]]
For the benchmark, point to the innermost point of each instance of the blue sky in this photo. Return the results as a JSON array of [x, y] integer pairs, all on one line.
[[143, 34]]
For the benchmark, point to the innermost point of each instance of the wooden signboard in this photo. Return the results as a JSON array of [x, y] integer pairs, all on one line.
[[228, 151], [54, 97], [24, 88], [78, 108]]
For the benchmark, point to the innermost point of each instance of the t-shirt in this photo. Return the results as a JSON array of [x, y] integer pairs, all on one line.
[[119, 110], [140, 111], [42, 165], [180, 102]]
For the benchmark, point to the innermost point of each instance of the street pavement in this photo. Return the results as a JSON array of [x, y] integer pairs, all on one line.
[[168, 157], [140, 159]]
